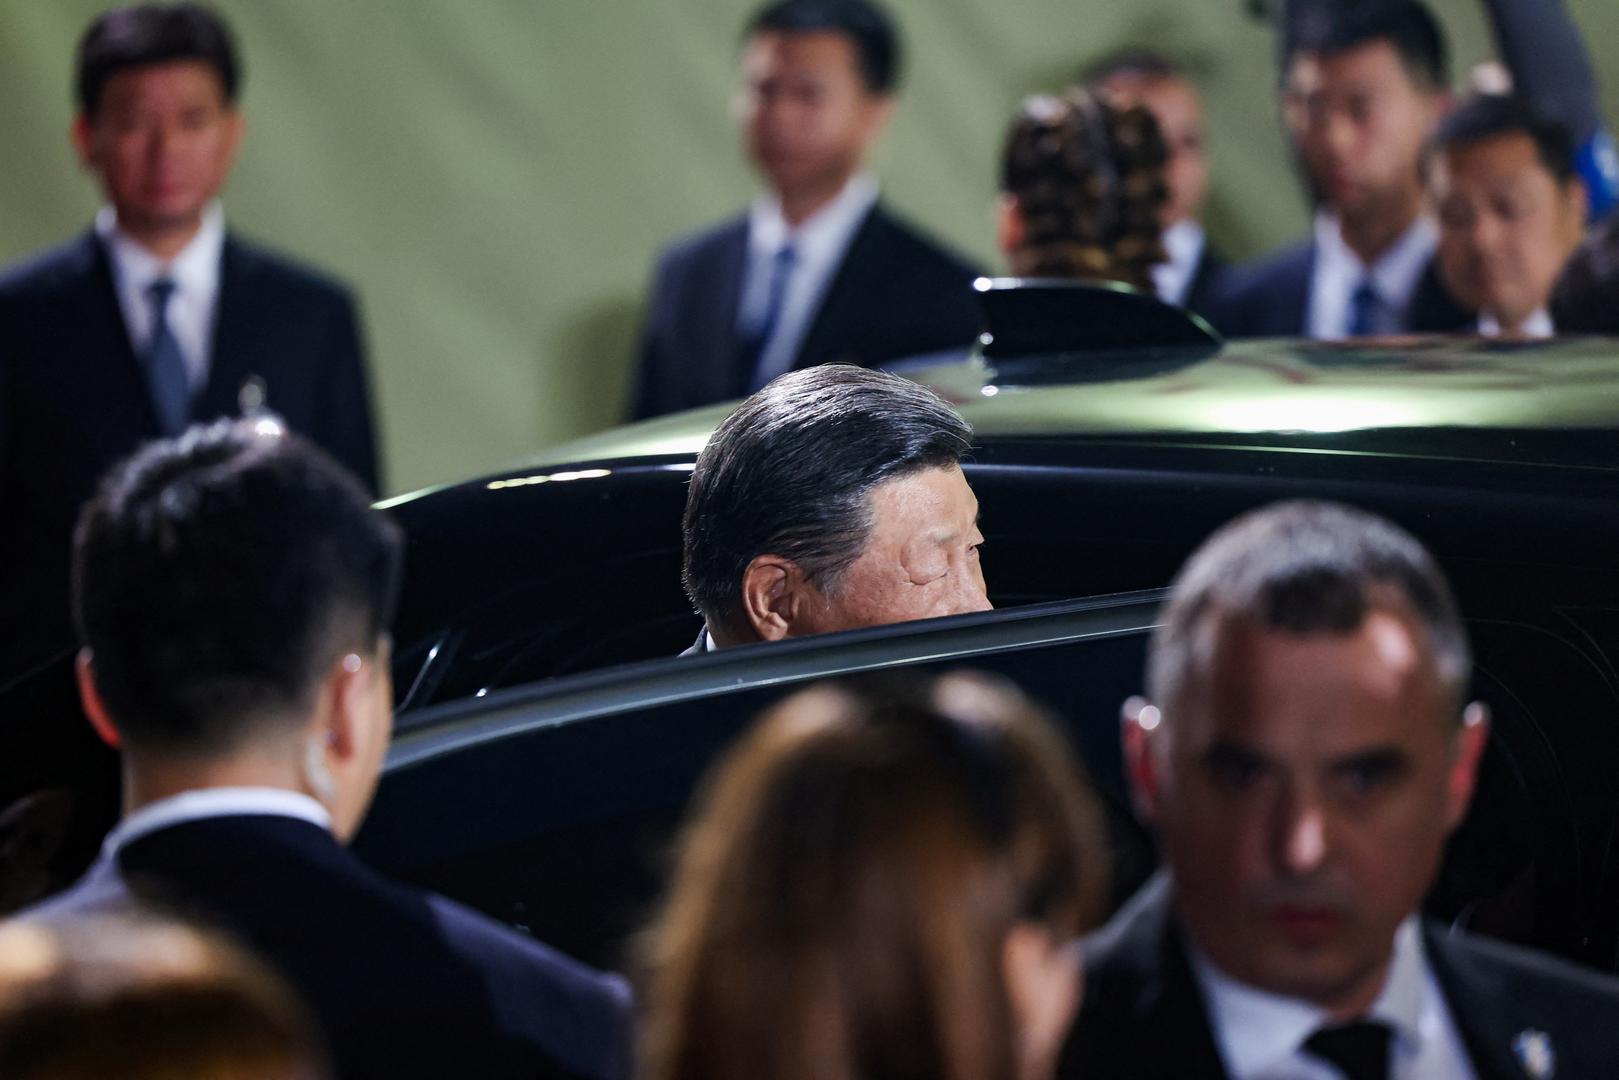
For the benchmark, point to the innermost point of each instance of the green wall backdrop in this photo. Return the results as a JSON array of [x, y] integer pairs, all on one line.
[[494, 176]]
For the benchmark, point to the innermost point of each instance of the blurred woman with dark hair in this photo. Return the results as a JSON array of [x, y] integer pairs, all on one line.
[[1082, 184], [879, 881]]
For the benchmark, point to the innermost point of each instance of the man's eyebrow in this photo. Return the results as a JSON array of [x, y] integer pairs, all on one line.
[[1228, 752], [1381, 758]]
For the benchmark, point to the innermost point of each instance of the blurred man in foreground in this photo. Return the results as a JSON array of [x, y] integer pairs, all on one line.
[[831, 499], [1511, 211], [1305, 755], [234, 588]]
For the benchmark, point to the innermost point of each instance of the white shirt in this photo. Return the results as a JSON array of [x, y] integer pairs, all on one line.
[[192, 305], [819, 243], [1537, 325], [1339, 271], [1184, 242], [1261, 1035], [215, 802]]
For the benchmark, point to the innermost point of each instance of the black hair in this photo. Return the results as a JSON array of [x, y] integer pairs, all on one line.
[[1132, 62], [1089, 179], [1586, 297], [1304, 568], [1330, 27], [791, 472], [142, 34], [867, 26], [217, 575], [1487, 116]]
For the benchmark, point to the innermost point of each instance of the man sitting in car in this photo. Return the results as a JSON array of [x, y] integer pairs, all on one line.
[[831, 499]]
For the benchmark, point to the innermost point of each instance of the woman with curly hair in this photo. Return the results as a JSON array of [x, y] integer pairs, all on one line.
[[1082, 182]]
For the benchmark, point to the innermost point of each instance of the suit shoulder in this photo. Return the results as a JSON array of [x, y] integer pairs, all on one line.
[[270, 269], [1276, 269], [915, 246], [1516, 971], [582, 1015], [703, 242], [63, 267]]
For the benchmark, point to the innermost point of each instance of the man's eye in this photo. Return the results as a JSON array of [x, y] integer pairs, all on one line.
[[1234, 773]]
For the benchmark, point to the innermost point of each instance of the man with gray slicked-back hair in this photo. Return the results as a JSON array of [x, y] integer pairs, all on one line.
[[831, 499], [1304, 758]]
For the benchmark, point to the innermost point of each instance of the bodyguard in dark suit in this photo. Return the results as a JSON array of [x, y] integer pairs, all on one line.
[[155, 317], [1364, 83], [1305, 757], [233, 588], [818, 270]]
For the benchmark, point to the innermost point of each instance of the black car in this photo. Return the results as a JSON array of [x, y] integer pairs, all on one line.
[[549, 738]]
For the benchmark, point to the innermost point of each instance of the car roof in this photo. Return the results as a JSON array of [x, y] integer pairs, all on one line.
[[1553, 403]]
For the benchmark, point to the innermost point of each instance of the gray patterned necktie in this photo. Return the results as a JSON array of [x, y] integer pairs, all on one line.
[[165, 367]]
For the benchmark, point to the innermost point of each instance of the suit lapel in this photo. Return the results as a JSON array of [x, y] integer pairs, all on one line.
[[715, 301], [847, 293], [1479, 998], [108, 336], [231, 363]]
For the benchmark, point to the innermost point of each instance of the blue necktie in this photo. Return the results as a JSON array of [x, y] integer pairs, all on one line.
[[781, 271], [165, 367], [1365, 304]]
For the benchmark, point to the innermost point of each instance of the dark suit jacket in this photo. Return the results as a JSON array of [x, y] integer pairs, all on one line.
[[896, 294], [1143, 1016], [402, 983], [1271, 298], [1208, 281], [73, 401]]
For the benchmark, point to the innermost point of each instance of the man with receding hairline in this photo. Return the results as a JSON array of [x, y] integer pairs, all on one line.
[[1306, 752]]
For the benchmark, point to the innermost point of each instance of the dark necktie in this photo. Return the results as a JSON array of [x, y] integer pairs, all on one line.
[[781, 271], [1359, 1050], [1365, 304], [165, 367]]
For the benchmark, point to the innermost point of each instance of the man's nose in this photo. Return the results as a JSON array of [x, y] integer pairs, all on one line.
[[1302, 843], [973, 595]]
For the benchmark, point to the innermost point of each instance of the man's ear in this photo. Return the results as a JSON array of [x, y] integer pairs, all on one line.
[[1139, 721], [772, 595], [346, 691], [1009, 229], [90, 697], [1470, 742], [80, 136]]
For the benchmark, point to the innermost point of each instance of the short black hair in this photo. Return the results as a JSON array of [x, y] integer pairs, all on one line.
[[217, 575], [1487, 116], [143, 34], [1329, 27], [791, 472], [1131, 61], [1583, 301], [867, 26], [1304, 567]]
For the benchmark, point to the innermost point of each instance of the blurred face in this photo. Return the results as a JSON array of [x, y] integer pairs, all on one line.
[[807, 117], [1179, 112], [162, 142], [1303, 791], [1506, 225], [1360, 123], [920, 561]]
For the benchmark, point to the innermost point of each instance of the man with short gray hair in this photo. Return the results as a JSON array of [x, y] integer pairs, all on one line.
[[831, 499], [1307, 753]]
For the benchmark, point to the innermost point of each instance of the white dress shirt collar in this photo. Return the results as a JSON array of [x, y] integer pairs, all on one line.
[[1260, 1035], [819, 244], [195, 273], [215, 802], [1338, 272], [1183, 241], [1537, 325]]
